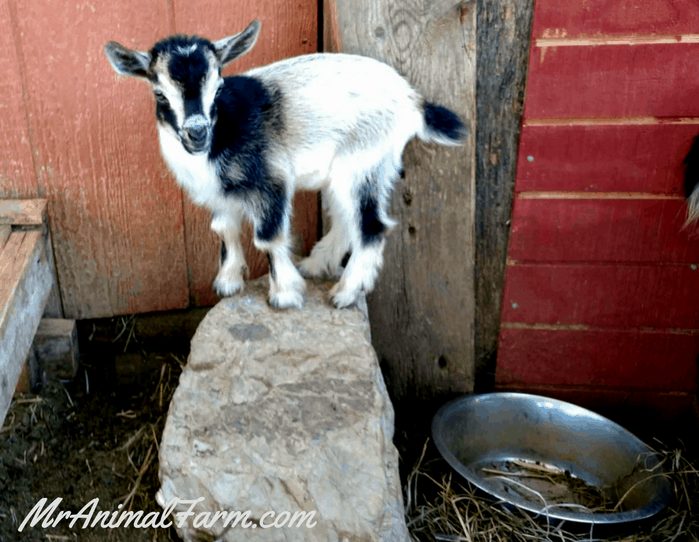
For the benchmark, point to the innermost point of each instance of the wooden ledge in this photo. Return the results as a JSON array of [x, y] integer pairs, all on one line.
[[23, 212], [26, 279]]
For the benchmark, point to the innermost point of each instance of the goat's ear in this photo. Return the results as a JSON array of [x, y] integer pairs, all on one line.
[[236, 46], [126, 61]]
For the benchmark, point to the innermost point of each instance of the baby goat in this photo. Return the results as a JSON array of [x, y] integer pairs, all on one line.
[[242, 145]]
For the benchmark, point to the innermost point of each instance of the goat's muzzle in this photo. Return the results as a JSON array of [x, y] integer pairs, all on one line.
[[196, 134]]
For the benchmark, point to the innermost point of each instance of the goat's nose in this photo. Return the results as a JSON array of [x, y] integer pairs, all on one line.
[[197, 133]]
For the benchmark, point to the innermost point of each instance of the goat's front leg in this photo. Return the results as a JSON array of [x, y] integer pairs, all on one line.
[[232, 267], [271, 220]]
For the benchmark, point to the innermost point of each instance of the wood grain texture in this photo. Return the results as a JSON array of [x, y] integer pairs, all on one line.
[[613, 81], [502, 56], [422, 309], [116, 218], [598, 358], [602, 230], [573, 18], [25, 281], [619, 296], [17, 175], [288, 29], [23, 212], [604, 158]]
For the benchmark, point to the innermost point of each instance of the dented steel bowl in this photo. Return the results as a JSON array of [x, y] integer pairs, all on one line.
[[552, 458]]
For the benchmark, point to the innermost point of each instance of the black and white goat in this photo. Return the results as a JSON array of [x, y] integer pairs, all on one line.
[[242, 145]]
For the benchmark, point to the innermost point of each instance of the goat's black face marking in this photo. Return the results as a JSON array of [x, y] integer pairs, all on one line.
[[186, 75]]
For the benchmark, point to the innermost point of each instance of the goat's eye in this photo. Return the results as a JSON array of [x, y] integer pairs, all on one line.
[[160, 97]]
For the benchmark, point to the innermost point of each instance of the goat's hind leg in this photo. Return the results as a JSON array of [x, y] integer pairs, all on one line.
[[326, 257], [232, 266], [367, 224]]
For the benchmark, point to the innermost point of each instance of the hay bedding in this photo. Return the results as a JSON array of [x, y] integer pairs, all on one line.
[[441, 507]]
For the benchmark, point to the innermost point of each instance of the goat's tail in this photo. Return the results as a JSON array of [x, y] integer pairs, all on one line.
[[442, 125], [691, 182]]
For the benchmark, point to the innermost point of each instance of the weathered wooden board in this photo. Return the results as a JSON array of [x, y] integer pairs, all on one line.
[[604, 157], [613, 81], [17, 175], [422, 309], [502, 54], [23, 212], [116, 217], [288, 29], [25, 282], [619, 296], [575, 19], [597, 358], [580, 229]]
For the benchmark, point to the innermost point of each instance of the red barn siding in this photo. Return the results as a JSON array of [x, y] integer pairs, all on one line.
[[603, 157], [647, 80], [601, 293], [587, 228], [610, 18]]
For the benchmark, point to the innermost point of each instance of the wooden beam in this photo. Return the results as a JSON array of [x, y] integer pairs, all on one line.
[[23, 212], [422, 309], [503, 53], [25, 282]]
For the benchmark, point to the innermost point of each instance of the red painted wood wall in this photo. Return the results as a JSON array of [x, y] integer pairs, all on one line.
[[601, 295], [125, 239]]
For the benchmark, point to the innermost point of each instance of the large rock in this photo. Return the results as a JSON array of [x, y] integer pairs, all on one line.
[[283, 411]]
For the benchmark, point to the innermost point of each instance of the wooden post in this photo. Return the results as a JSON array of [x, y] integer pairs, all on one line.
[[503, 52], [422, 311]]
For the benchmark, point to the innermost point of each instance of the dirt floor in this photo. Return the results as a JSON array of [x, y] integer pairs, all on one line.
[[97, 437]]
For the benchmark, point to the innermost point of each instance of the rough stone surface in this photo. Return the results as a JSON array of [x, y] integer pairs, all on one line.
[[284, 411]]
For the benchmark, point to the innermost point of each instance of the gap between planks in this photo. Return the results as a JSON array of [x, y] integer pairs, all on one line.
[[597, 195], [610, 121], [510, 262], [584, 327], [616, 40]]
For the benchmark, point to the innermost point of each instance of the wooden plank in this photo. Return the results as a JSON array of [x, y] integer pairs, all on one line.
[[116, 217], [4, 235], [502, 55], [422, 309], [620, 296], [23, 212], [575, 19], [288, 29], [612, 81], [25, 282], [604, 158], [17, 174], [598, 358], [603, 230]]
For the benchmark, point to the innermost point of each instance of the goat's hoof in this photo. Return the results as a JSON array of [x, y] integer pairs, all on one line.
[[226, 287], [286, 300], [343, 298]]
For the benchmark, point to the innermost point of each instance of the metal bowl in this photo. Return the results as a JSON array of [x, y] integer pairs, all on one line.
[[551, 458]]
